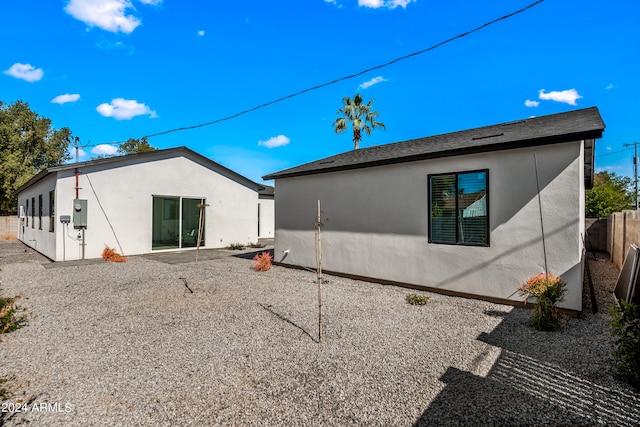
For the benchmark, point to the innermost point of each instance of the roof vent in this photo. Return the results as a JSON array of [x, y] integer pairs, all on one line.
[[487, 136]]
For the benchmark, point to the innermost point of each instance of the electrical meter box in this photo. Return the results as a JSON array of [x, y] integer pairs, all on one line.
[[79, 213], [65, 219]]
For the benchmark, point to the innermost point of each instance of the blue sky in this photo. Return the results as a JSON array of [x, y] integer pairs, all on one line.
[[116, 69]]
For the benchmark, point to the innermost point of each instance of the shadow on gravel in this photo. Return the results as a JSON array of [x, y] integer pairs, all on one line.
[[281, 317], [468, 399], [251, 255], [540, 378], [520, 390]]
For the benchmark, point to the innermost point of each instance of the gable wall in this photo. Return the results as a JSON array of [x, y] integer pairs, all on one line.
[[267, 218], [126, 195], [378, 222]]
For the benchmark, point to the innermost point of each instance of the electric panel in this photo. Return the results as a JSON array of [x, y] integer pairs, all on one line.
[[79, 213]]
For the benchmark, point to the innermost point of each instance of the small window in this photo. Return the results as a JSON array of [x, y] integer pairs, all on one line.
[[52, 216], [40, 212], [33, 212], [26, 214], [458, 208]]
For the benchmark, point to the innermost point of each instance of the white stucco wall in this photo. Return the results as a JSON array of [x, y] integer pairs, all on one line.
[[42, 239], [126, 195], [378, 222], [267, 218]]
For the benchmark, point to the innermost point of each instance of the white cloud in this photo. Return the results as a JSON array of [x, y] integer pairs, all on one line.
[[373, 81], [389, 4], [104, 149], [568, 96], [25, 72], [81, 153], [334, 2], [110, 15], [609, 86], [201, 33], [125, 109], [67, 97], [275, 141], [530, 103]]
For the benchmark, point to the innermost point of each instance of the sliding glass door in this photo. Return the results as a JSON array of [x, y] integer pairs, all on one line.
[[176, 222], [191, 223]]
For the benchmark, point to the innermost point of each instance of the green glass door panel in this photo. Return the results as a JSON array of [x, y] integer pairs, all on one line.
[[165, 223], [190, 223]]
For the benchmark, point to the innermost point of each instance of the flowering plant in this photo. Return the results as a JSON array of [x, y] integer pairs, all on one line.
[[262, 261], [548, 289], [109, 254]]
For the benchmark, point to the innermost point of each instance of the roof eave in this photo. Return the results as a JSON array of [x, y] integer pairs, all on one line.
[[592, 134]]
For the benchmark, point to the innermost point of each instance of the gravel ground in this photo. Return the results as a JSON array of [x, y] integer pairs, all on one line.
[[128, 344]]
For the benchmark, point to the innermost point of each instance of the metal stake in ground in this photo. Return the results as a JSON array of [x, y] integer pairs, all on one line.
[[318, 223], [199, 239]]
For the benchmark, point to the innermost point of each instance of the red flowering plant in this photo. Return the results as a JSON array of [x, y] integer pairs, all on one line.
[[262, 261], [109, 254], [548, 290]]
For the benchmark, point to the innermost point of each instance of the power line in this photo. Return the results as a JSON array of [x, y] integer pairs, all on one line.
[[614, 152], [332, 82]]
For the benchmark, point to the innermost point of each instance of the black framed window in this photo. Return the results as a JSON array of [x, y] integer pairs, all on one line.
[[52, 216], [459, 208], [33, 212], [40, 212]]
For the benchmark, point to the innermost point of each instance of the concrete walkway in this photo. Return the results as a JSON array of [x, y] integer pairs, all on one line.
[[183, 257], [12, 251]]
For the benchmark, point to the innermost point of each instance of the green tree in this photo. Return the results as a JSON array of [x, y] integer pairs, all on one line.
[[360, 116], [28, 144], [610, 193], [133, 146]]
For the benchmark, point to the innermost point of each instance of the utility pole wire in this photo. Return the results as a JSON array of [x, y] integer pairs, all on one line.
[[332, 82]]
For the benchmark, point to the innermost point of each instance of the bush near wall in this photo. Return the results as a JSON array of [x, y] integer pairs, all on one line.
[[625, 326]]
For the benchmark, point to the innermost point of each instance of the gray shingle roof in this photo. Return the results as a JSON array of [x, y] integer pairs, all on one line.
[[147, 156], [574, 125]]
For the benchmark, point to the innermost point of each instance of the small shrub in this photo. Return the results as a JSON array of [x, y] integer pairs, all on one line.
[[235, 247], [9, 320], [414, 299], [262, 261], [109, 254], [625, 326], [257, 245], [548, 290], [4, 393]]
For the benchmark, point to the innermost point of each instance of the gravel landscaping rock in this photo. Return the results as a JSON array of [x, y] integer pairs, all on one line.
[[128, 344]]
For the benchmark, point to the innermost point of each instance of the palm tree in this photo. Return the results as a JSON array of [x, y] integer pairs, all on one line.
[[360, 117]]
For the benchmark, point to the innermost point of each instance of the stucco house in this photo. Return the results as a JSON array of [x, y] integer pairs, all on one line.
[[141, 203], [457, 213]]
